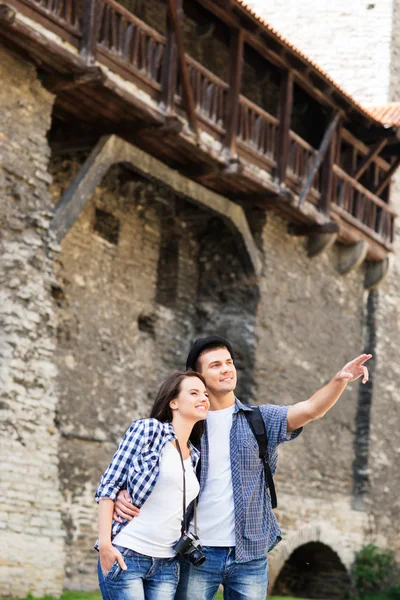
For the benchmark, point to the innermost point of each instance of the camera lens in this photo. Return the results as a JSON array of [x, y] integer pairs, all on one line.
[[197, 558]]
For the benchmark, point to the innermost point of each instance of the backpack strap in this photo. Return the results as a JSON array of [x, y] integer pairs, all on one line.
[[257, 425]]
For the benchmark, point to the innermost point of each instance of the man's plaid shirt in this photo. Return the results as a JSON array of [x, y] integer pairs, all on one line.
[[256, 528], [136, 464]]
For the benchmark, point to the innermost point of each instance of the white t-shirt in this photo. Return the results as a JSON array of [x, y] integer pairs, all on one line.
[[158, 525], [215, 510]]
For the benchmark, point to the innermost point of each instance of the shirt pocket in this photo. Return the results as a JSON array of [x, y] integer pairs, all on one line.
[[145, 461]]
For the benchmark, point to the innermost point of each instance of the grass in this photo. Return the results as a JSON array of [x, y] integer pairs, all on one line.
[[97, 596]]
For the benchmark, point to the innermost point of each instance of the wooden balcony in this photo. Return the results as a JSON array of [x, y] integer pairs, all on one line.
[[108, 35]]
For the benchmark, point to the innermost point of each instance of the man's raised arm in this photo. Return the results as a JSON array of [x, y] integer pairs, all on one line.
[[315, 407]]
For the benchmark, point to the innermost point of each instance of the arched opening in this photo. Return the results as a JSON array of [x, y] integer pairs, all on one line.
[[313, 571]]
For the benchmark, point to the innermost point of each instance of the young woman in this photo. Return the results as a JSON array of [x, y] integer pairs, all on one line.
[[137, 560]]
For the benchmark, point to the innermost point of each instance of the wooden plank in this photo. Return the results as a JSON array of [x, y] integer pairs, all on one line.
[[373, 153], [176, 20], [235, 79], [386, 180], [319, 157], [285, 116], [327, 175], [90, 21]]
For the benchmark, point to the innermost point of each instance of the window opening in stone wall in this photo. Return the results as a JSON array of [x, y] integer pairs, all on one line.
[[168, 269], [313, 570], [107, 226]]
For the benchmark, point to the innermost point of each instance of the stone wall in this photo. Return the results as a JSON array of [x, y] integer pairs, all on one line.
[[352, 41], [32, 547]]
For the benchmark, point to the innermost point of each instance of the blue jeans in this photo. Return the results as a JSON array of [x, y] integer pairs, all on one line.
[[241, 581], [146, 578]]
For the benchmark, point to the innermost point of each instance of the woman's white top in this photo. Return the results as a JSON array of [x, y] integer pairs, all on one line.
[[158, 525]]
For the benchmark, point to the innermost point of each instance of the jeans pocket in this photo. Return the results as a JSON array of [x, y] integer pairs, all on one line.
[[113, 573]]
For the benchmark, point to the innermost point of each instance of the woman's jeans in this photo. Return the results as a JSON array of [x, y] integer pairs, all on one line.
[[241, 581], [146, 578]]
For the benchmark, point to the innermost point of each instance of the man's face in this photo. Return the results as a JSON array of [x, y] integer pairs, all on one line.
[[218, 370]]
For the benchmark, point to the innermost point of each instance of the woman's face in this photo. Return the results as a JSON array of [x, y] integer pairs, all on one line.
[[192, 402]]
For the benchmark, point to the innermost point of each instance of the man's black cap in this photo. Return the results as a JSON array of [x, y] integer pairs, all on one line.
[[202, 344]]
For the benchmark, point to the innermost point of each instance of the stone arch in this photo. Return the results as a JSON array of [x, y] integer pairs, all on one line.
[[111, 150], [313, 533]]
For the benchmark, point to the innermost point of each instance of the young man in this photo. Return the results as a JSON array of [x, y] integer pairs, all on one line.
[[235, 522]]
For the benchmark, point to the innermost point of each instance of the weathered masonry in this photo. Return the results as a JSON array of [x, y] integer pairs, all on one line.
[[162, 163]]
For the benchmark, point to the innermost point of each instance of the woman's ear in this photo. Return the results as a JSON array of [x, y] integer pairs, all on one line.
[[173, 404]]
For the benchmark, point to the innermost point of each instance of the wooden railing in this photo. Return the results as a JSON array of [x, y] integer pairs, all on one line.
[[362, 206], [63, 12], [130, 40], [257, 129], [124, 43], [300, 159], [209, 93]]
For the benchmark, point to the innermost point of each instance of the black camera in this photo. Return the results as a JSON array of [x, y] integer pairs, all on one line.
[[189, 548]]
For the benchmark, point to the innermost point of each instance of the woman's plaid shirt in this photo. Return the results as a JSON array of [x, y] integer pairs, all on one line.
[[136, 464]]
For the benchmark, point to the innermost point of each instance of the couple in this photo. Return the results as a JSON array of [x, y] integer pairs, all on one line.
[[156, 462]]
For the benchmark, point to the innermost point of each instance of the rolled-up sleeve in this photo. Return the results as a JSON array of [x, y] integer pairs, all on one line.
[[275, 419], [116, 474]]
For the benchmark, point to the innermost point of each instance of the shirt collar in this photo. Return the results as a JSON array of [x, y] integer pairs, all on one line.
[[169, 430], [240, 406]]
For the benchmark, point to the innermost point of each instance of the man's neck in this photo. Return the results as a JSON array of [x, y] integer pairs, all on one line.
[[221, 401]]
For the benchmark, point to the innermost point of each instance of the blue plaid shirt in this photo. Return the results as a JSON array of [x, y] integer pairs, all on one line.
[[136, 464], [256, 528]]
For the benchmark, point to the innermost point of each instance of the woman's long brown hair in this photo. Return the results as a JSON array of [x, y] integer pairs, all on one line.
[[170, 390]]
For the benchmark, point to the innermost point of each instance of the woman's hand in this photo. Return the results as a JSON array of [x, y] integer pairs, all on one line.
[[108, 556]]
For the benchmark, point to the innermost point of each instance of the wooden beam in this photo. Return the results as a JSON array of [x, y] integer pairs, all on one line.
[[327, 175], [319, 157], [235, 79], [111, 150], [176, 20], [169, 75], [285, 117], [313, 229], [373, 153], [90, 21], [386, 180], [60, 83]]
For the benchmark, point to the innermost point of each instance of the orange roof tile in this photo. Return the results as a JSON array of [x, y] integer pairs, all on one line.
[[371, 113], [389, 114]]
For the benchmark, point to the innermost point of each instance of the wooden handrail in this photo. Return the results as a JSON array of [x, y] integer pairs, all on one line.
[[257, 109], [208, 74], [133, 19], [360, 188], [302, 142]]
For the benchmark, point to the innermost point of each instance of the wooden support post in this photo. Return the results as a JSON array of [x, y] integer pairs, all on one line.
[[90, 20], [235, 79], [169, 75], [326, 140], [327, 175], [373, 153], [285, 116], [386, 180], [176, 19]]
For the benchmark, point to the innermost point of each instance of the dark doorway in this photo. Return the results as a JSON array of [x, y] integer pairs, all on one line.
[[313, 571]]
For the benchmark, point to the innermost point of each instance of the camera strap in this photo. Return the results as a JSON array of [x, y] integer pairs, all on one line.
[[184, 521]]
